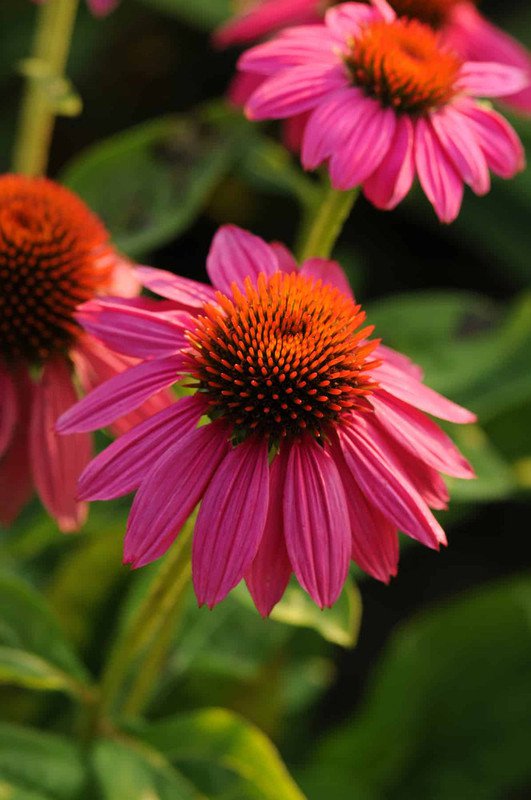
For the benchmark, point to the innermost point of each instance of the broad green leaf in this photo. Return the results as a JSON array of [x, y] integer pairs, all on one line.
[[216, 737], [447, 715], [150, 182], [35, 764], [20, 668], [339, 624], [205, 14], [129, 770], [27, 624]]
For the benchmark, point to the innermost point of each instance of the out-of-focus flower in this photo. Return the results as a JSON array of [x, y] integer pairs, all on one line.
[[100, 8], [386, 102], [315, 450], [54, 254], [460, 25]]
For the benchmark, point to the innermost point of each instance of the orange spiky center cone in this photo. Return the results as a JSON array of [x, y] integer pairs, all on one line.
[[54, 254], [281, 358]]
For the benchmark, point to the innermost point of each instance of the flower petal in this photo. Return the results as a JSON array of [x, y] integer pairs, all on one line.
[[121, 467], [316, 521], [294, 47], [120, 394], [499, 141], [392, 179], [57, 461], [171, 491], [235, 255], [438, 177], [328, 125], [347, 19], [263, 19], [270, 571], [490, 79], [456, 135], [294, 90], [16, 483], [231, 521], [330, 273], [8, 410], [189, 294]]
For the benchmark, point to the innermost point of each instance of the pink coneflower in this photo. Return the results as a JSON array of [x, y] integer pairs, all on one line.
[[386, 103], [54, 254], [314, 451], [100, 8], [459, 24]]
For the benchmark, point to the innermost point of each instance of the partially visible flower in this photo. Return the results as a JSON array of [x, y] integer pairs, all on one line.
[[459, 22], [386, 103], [54, 254], [100, 8], [314, 451]]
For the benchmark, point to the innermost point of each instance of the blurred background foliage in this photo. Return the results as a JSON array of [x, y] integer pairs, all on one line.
[[432, 699]]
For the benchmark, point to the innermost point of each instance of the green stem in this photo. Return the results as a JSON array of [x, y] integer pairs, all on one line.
[[51, 47], [324, 223], [149, 622]]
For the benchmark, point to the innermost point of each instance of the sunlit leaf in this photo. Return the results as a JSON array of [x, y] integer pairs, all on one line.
[[20, 668]]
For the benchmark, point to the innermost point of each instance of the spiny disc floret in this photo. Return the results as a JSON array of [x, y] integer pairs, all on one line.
[[282, 357]]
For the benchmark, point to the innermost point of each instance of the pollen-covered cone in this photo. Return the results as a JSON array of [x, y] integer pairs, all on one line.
[[459, 23], [305, 442], [386, 103], [54, 254]]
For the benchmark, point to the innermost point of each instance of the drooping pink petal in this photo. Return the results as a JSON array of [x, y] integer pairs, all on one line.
[[171, 491], [399, 361], [328, 272], [438, 177], [328, 124], [499, 141], [100, 8], [120, 394], [456, 136], [285, 258], [241, 87], [264, 18], [365, 145], [293, 47], [490, 79], [189, 294], [120, 468], [294, 91], [270, 570], [16, 481], [420, 435], [8, 410], [316, 521], [231, 521], [407, 388], [347, 19], [133, 331], [293, 132], [57, 461], [235, 255], [374, 538], [392, 179], [377, 473]]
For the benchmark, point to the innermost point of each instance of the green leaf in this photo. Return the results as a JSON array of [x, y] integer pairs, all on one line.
[[27, 624], [218, 738], [205, 14], [132, 771], [20, 668], [36, 765], [447, 715], [150, 182], [339, 624], [495, 479]]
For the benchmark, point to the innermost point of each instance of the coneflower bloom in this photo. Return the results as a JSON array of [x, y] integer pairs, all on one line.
[[386, 102], [100, 8], [459, 24], [54, 254], [314, 451]]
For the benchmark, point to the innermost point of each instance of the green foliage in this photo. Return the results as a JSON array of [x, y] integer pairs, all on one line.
[[202, 13]]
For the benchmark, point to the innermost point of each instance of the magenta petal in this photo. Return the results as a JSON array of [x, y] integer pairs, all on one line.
[[490, 79], [378, 474], [57, 461], [171, 491], [8, 410], [392, 179], [16, 483], [264, 18], [133, 331], [184, 291], [328, 272], [456, 135], [499, 141], [374, 538], [120, 394], [438, 177], [231, 521], [235, 255], [294, 90], [121, 467], [285, 259], [270, 571], [327, 126], [347, 19], [304, 44], [399, 361], [100, 8], [316, 521], [420, 435]]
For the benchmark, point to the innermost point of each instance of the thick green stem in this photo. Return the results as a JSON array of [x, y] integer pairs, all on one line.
[[44, 70], [150, 622], [324, 223]]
